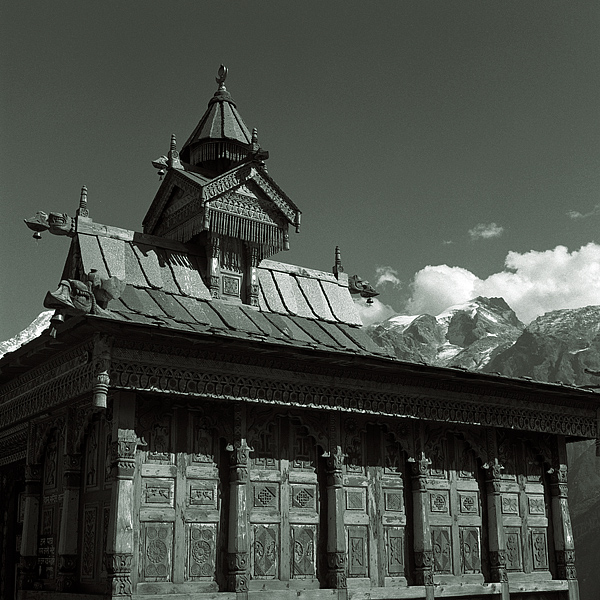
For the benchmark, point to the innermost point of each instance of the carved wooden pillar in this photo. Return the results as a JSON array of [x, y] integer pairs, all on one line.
[[29, 541], [497, 543], [119, 543], [238, 561], [213, 249], [422, 541], [336, 534], [69, 522], [561, 520], [253, 259]]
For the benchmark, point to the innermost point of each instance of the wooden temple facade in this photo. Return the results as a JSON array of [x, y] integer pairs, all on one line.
[[202, 422]]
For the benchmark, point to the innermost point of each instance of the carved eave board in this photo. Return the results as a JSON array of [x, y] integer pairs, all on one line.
[[244, 203]]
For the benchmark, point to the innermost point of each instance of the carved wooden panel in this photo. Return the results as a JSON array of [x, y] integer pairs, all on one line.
[[514, 560], [158, 492], [395, 551], [266, 495], [157, 550], [358, 551], [470, 550], [539, 549], [202, 493], [202, 551], [265, 551], [356, 499], [88, 550], [441, 540], [303, 551], [303, 497]]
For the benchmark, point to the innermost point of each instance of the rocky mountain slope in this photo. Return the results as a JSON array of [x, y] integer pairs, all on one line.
[[485, 335]]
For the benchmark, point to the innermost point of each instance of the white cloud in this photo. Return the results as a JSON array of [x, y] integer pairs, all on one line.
[[387, 275], [575, 214], [533, 283], [486, 231], [373, 313]]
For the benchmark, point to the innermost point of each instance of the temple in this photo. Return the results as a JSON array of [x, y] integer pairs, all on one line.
[[201, 421]]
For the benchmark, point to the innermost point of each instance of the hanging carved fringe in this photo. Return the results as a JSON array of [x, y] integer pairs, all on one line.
[[264, 234], [184, 232], [214, 150]]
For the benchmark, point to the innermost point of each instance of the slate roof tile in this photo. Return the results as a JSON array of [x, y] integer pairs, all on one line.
[[271, 293], [198, 309], [289, 328], [319, 335], [338, 334], [91, 255], [235, 318], [168, 280], [135, 299], [171, 307], [113, 252], [263, 323], [135, 275], [186, 275], [315, 297], [359, 336], [341, 303], [149, 263]]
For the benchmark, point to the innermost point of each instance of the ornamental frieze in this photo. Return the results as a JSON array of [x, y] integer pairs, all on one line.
[[219, 385], [226, 183]]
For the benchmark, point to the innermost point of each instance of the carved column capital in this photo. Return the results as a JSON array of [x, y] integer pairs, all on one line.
[[424, 567], [67, 566], [498, 566], [238, 461], [565, 563], [123, 451], [335, 462], [336, 570], [237, 576], [118, 565]]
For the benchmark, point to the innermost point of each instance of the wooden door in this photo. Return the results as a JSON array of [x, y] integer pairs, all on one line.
[[455, 511], [283, 505]]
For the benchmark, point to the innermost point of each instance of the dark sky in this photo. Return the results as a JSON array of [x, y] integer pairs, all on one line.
[[396, 126]]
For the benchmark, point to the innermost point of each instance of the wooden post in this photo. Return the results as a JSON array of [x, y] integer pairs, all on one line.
[[119, 544], [69, 522], [238, 562], [496, 539], [561, 520], [336, 534], [29, 541], [422, 534]]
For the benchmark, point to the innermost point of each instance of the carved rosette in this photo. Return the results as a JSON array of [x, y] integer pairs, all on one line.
[[67, 565], [237, 566], [336, 570], [498, 566], [28, 569], [119, 574], [565, 563], [424, 567]]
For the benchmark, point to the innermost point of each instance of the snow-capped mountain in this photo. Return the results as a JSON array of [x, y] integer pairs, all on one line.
[[465, 335], [485, 335], [34, 330]]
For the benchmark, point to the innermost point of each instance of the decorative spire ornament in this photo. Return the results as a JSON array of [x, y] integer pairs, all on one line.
[[83, 211], [221, 77]]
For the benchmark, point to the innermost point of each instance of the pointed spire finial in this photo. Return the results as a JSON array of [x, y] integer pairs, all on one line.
[[337, 267], [173, 161], [221, 77], [83, 211]]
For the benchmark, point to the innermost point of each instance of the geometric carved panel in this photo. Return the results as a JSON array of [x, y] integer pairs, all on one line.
[[514, 561], [157, 551], [393, 501], [355, 499], [438, 502], [266, 496], [265, 551], [303, 497], [539, 549], [395, 551], [303, 551], [470, 550], [201, 550], [358, 552], [442, 549]]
